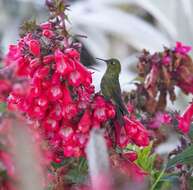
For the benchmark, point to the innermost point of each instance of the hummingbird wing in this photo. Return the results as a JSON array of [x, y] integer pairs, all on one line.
[[115, 94]]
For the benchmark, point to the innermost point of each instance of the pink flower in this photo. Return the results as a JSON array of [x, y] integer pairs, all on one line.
[[166, 60], [182, 49], [185, 119], [159, 119]]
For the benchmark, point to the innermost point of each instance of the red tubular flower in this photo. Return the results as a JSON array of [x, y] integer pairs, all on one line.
[[74, 79], [85, 122], [56, 112], [48, 33], [42, 101], [70, 111], [72, 53], [34, 63], [13, 54], [34, 47], [55, 93], [82, 139], [141, 139], [66, 133], [36, 112], [23, 67], [122, 139], [51, 125], [100, 114], [131, 156], [130, 127], [67, 96], [46, 26], [41, 73], [62, 63], [86, 77], [137, 132], [185, 119], [110, 110], [48, 58]]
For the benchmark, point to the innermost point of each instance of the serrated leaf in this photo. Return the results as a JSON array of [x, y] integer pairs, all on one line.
[[185, 157], [28, 26]]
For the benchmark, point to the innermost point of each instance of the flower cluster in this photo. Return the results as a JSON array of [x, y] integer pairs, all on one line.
[[161, 72], [132, 131], [44, 81], [56, 90]]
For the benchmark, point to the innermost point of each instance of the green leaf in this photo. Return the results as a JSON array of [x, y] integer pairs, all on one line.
[[185, 157], [146, 158], [75, 176], [79, 173], [164, 181]]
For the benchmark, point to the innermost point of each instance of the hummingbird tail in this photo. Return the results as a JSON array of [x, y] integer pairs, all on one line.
[[119, 116]]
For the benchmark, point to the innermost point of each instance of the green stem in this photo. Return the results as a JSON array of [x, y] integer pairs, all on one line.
[[157, 180]]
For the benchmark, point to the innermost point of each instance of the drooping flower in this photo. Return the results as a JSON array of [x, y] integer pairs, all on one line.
[[182, 49], [185, 119]]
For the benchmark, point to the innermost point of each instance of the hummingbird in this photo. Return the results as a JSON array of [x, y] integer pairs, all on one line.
[[110, 86]]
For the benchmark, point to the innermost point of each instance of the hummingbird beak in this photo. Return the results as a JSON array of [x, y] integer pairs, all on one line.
[[105, 60]]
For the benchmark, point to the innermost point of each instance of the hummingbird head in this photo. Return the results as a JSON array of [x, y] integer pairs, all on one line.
[[113, 65]]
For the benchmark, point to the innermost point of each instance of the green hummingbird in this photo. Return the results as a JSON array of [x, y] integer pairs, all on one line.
[[110, 86]]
